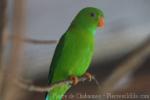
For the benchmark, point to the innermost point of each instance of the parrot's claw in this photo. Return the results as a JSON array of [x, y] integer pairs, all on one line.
[[74, 80], [89, 76]]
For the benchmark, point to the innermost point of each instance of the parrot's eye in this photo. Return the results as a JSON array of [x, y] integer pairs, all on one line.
[[92, 14]]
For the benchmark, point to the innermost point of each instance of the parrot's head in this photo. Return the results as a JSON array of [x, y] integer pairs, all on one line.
[[89, 18]]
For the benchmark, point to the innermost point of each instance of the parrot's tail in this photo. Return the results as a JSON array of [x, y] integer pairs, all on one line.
[[58, 92]]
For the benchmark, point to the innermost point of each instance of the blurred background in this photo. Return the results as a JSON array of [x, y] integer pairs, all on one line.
[[127, 27]]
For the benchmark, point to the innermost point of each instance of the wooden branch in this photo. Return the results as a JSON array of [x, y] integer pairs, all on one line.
[[34, 41], [129, 65], [14, 66], [3, 6], [31, 87]]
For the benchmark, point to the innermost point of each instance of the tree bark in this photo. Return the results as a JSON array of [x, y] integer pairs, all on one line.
[[13, 70], [3, 5]]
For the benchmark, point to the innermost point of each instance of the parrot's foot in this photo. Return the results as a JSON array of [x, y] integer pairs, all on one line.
[[74, 80], [89, 76]]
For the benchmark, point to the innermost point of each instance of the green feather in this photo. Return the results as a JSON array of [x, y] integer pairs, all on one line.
[[74, 51]]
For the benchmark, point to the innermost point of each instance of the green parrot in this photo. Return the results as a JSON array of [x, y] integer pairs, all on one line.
[[74, 51]]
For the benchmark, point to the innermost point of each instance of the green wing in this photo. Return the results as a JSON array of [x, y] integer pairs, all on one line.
[[57, 92], [57, 54]]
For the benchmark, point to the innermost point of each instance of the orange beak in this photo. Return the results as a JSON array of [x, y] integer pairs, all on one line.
[[101, 23]]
